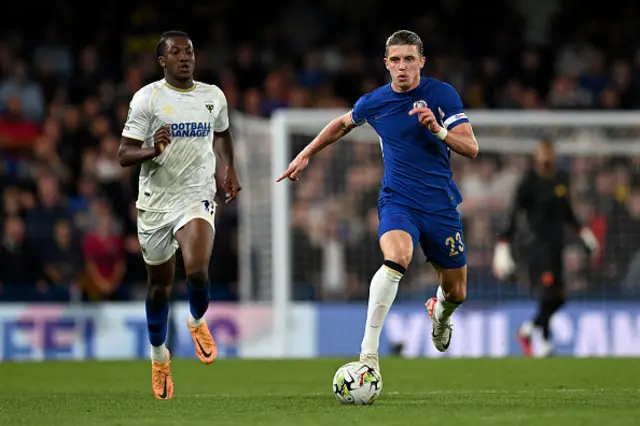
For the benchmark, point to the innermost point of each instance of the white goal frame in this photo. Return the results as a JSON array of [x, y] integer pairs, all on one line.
[[308, 121]]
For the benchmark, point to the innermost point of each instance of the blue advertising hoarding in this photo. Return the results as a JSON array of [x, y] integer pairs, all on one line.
[[118, 331], [589, 329]]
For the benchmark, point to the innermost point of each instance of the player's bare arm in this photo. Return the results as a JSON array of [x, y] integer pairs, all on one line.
[[460, 139], [224, 143], [331, 133], [131, 151]]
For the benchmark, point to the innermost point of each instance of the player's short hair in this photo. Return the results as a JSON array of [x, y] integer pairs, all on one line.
[[162, 44], [404, 38]]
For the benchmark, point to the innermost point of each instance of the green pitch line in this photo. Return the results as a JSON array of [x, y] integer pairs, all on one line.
[[560, 391]]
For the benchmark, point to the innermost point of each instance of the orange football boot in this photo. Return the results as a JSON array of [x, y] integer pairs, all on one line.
[[161, 381], [206, 348]]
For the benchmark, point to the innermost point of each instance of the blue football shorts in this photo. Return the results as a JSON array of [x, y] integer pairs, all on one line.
[[439, 233]]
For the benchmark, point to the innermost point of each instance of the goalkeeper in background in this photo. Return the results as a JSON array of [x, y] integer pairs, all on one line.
[[543, 195]]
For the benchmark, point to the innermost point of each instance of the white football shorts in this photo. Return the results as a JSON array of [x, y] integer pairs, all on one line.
[[157, 230]]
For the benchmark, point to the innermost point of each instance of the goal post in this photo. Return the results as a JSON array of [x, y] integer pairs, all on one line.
[[267, 250], [281, 243], [283, 123]]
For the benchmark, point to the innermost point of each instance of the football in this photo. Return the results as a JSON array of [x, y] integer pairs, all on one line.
[[357, 384]]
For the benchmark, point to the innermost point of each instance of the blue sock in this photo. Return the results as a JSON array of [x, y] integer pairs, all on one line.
[[198, 299], [157, 323]]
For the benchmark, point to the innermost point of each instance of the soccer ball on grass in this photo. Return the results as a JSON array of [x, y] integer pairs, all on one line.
[[357, 384]]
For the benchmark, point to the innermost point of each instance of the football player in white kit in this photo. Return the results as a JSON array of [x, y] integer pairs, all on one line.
[[171, 129]]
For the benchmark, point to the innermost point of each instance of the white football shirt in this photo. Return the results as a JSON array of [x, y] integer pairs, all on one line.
[[184, 174]]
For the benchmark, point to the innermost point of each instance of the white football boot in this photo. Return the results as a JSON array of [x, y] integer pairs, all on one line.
[[371, 360], [441, 330]]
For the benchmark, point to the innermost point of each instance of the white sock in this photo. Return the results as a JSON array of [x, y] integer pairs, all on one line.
[[526, 329], [194, 322], [382, 293], [159, 353], [444, 308]]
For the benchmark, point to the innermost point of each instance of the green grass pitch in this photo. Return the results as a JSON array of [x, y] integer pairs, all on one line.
[[559, 391]]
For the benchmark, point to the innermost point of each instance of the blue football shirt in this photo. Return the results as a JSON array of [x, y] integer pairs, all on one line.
[[417, 168]]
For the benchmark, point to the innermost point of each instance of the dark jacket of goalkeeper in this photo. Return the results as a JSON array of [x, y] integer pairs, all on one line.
[[543, 195]]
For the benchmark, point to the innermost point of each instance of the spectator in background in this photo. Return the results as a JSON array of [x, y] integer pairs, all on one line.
[[28, 92], [87, 76], [15, 131], [334, 263], [89, 161], [45, 152], [299, 97], [55, 53], [108, 170], [252, 102], [623, 84], [20, 266], [306, 253], [104, 257], [10, 203], [111, 177], [313, 73], [566, 93], [62, 261], [71, 139], [45, 77], [595, 77], [87, 190], [50, 208], [276, 96]]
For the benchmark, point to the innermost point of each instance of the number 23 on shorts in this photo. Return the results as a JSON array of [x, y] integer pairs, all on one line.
[[455, 244]]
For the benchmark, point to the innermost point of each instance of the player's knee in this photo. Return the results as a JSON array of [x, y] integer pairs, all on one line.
[[197, 275], [400, 257]]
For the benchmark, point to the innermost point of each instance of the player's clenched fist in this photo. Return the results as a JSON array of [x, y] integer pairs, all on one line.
[[295, 168], [426, 118], [161, 139]]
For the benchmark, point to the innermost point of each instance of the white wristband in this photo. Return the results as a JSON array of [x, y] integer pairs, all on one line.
[[441, 134]]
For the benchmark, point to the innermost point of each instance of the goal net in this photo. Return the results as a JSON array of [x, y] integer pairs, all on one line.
[[316, 239]]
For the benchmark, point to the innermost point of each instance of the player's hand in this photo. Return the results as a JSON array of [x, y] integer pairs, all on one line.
[[590, 241], [295, 168], [426, 118], [503, 265], [231, 184], [161, 139]]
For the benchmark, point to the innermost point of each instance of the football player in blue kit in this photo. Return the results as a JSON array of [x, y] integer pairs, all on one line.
[[420, 121]]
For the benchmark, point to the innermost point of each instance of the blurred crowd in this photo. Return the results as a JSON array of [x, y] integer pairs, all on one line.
[[67, 208]]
